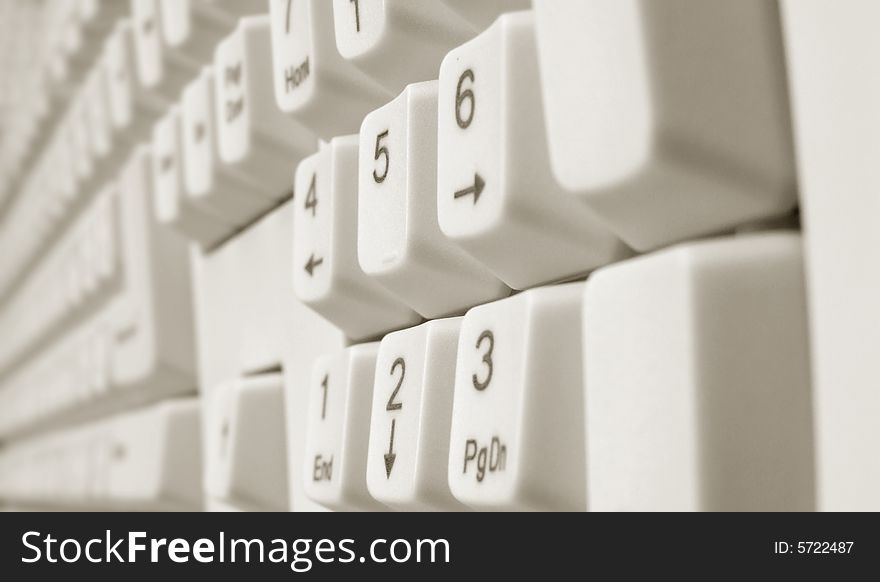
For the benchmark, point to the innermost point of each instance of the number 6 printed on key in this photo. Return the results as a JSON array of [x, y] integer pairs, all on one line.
[[487, 359]]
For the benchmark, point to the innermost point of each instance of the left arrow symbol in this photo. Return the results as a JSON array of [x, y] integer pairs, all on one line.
[[313, 262]]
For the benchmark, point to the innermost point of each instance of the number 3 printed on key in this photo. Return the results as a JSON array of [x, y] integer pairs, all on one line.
[[487, 359]]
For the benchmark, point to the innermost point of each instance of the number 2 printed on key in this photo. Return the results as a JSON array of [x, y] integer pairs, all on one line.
[[392, 405]]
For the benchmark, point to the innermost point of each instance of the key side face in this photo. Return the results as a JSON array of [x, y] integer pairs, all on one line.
[[487, 409], [314, 227], [470, 139]]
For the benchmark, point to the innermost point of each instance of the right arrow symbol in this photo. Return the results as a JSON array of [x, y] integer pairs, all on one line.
[[476, 189], [390, 456], [313, 262]]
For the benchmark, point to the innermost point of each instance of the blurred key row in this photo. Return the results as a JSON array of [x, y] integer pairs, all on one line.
[[148, 459], [110, 309]]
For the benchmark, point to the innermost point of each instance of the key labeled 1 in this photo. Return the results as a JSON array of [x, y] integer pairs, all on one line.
[[518, 404], [340, 396]]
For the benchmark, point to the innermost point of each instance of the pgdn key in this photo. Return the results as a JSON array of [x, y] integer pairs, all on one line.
[[516, 419]]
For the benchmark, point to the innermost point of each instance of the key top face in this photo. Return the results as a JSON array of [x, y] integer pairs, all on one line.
[[399, 241], [412, 412], [326, 273], [247, 452], [669, 122], [339, 429], [518, 405], [698, 393], [496, 196]]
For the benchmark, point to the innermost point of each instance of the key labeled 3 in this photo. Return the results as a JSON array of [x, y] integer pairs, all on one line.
[[399, 241], [496, 195], [339, 429], [518, 408], [326, 273], [412, 412]]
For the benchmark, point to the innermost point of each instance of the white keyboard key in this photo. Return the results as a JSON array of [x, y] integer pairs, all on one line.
[[496, 195], [399, 241], [411, 418], [517, 420], [154, 457], [246, 455], [326, 273], [312, 80], [193, 27], [254, 136], [832, 53], [133, 109], [484, 12], [159, 68], [389, 39], [698, 391], [172, 207], [153, 341], [335, 460], [669, 119], [211, 186]]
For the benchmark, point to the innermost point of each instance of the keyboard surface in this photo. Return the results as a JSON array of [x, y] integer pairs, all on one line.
[[439, 255]]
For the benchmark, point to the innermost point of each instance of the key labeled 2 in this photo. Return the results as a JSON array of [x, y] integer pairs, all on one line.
[[518, 404], [412, 412], [339, 429], [496, 195]]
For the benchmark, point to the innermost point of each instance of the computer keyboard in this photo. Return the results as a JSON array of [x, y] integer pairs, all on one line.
[[439, 255]]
